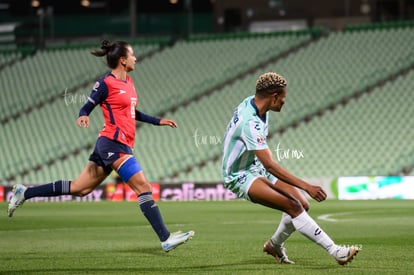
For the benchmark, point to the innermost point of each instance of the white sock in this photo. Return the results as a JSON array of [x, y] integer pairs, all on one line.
[[283, 231], [309, 228]]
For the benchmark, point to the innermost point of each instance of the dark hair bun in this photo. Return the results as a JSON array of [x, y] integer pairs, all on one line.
[[106, 45]]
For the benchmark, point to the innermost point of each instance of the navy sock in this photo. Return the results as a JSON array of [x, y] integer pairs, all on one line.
[[53, 189], [150, 210]]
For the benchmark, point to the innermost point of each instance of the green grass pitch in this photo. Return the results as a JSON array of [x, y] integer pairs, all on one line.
[[115, 238]]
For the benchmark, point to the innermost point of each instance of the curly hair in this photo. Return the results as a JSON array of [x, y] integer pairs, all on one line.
[[269, 83]]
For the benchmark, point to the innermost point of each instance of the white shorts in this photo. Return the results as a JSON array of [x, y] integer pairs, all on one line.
[[241, 185]]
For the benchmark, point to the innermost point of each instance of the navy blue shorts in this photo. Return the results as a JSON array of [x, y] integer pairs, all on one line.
[[107, 151]]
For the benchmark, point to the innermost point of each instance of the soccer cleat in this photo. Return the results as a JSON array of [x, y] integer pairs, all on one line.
[[175, 239], [17, 199], [345, 254], [278, 252]]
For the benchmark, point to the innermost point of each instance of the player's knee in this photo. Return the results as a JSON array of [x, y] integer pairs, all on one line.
[[305, 205], [294, 208]]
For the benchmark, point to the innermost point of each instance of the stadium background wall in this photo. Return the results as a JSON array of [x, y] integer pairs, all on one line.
[[92, 25], [185, 191], [342, 188]]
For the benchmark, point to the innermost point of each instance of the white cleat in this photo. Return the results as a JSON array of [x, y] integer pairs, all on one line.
[[345, 254], [17, 199], [175, 239], [278, 252]]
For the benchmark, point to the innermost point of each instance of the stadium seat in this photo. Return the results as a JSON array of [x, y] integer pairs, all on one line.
[[359, 138]]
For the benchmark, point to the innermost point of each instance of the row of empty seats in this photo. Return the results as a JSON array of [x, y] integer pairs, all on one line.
[[188, 69], [371, 135], [54, 122], [49, 74], [319, 75], [7, 58]]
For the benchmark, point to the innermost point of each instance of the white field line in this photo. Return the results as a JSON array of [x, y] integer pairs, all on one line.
[[330, 217]]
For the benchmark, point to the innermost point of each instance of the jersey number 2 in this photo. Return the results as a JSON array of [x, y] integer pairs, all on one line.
[[133, 106]]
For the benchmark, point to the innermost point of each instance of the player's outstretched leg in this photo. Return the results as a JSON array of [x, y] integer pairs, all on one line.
[[309, 228], [17, 198], [22, 193], [175, 239]]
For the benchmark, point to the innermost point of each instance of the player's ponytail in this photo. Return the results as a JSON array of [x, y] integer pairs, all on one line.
[[105, 48], [112, 51]]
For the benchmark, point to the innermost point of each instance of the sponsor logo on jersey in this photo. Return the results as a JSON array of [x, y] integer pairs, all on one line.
[[261, 140]]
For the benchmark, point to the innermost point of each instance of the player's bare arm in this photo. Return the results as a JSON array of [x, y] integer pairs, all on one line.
[[265, 157]]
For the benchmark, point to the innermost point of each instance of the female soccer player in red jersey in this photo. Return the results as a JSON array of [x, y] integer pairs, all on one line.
[[115, 94]]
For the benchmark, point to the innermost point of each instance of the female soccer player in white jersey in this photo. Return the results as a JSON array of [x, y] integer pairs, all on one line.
[[250, 172]]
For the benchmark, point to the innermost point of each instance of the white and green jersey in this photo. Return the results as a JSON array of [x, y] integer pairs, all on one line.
[[246, 132]]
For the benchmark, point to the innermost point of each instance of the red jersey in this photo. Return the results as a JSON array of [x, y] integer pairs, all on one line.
[[118, 101]]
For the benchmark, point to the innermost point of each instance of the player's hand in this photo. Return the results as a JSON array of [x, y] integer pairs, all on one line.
[[316, 192], [83, 121], [168, 122]]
